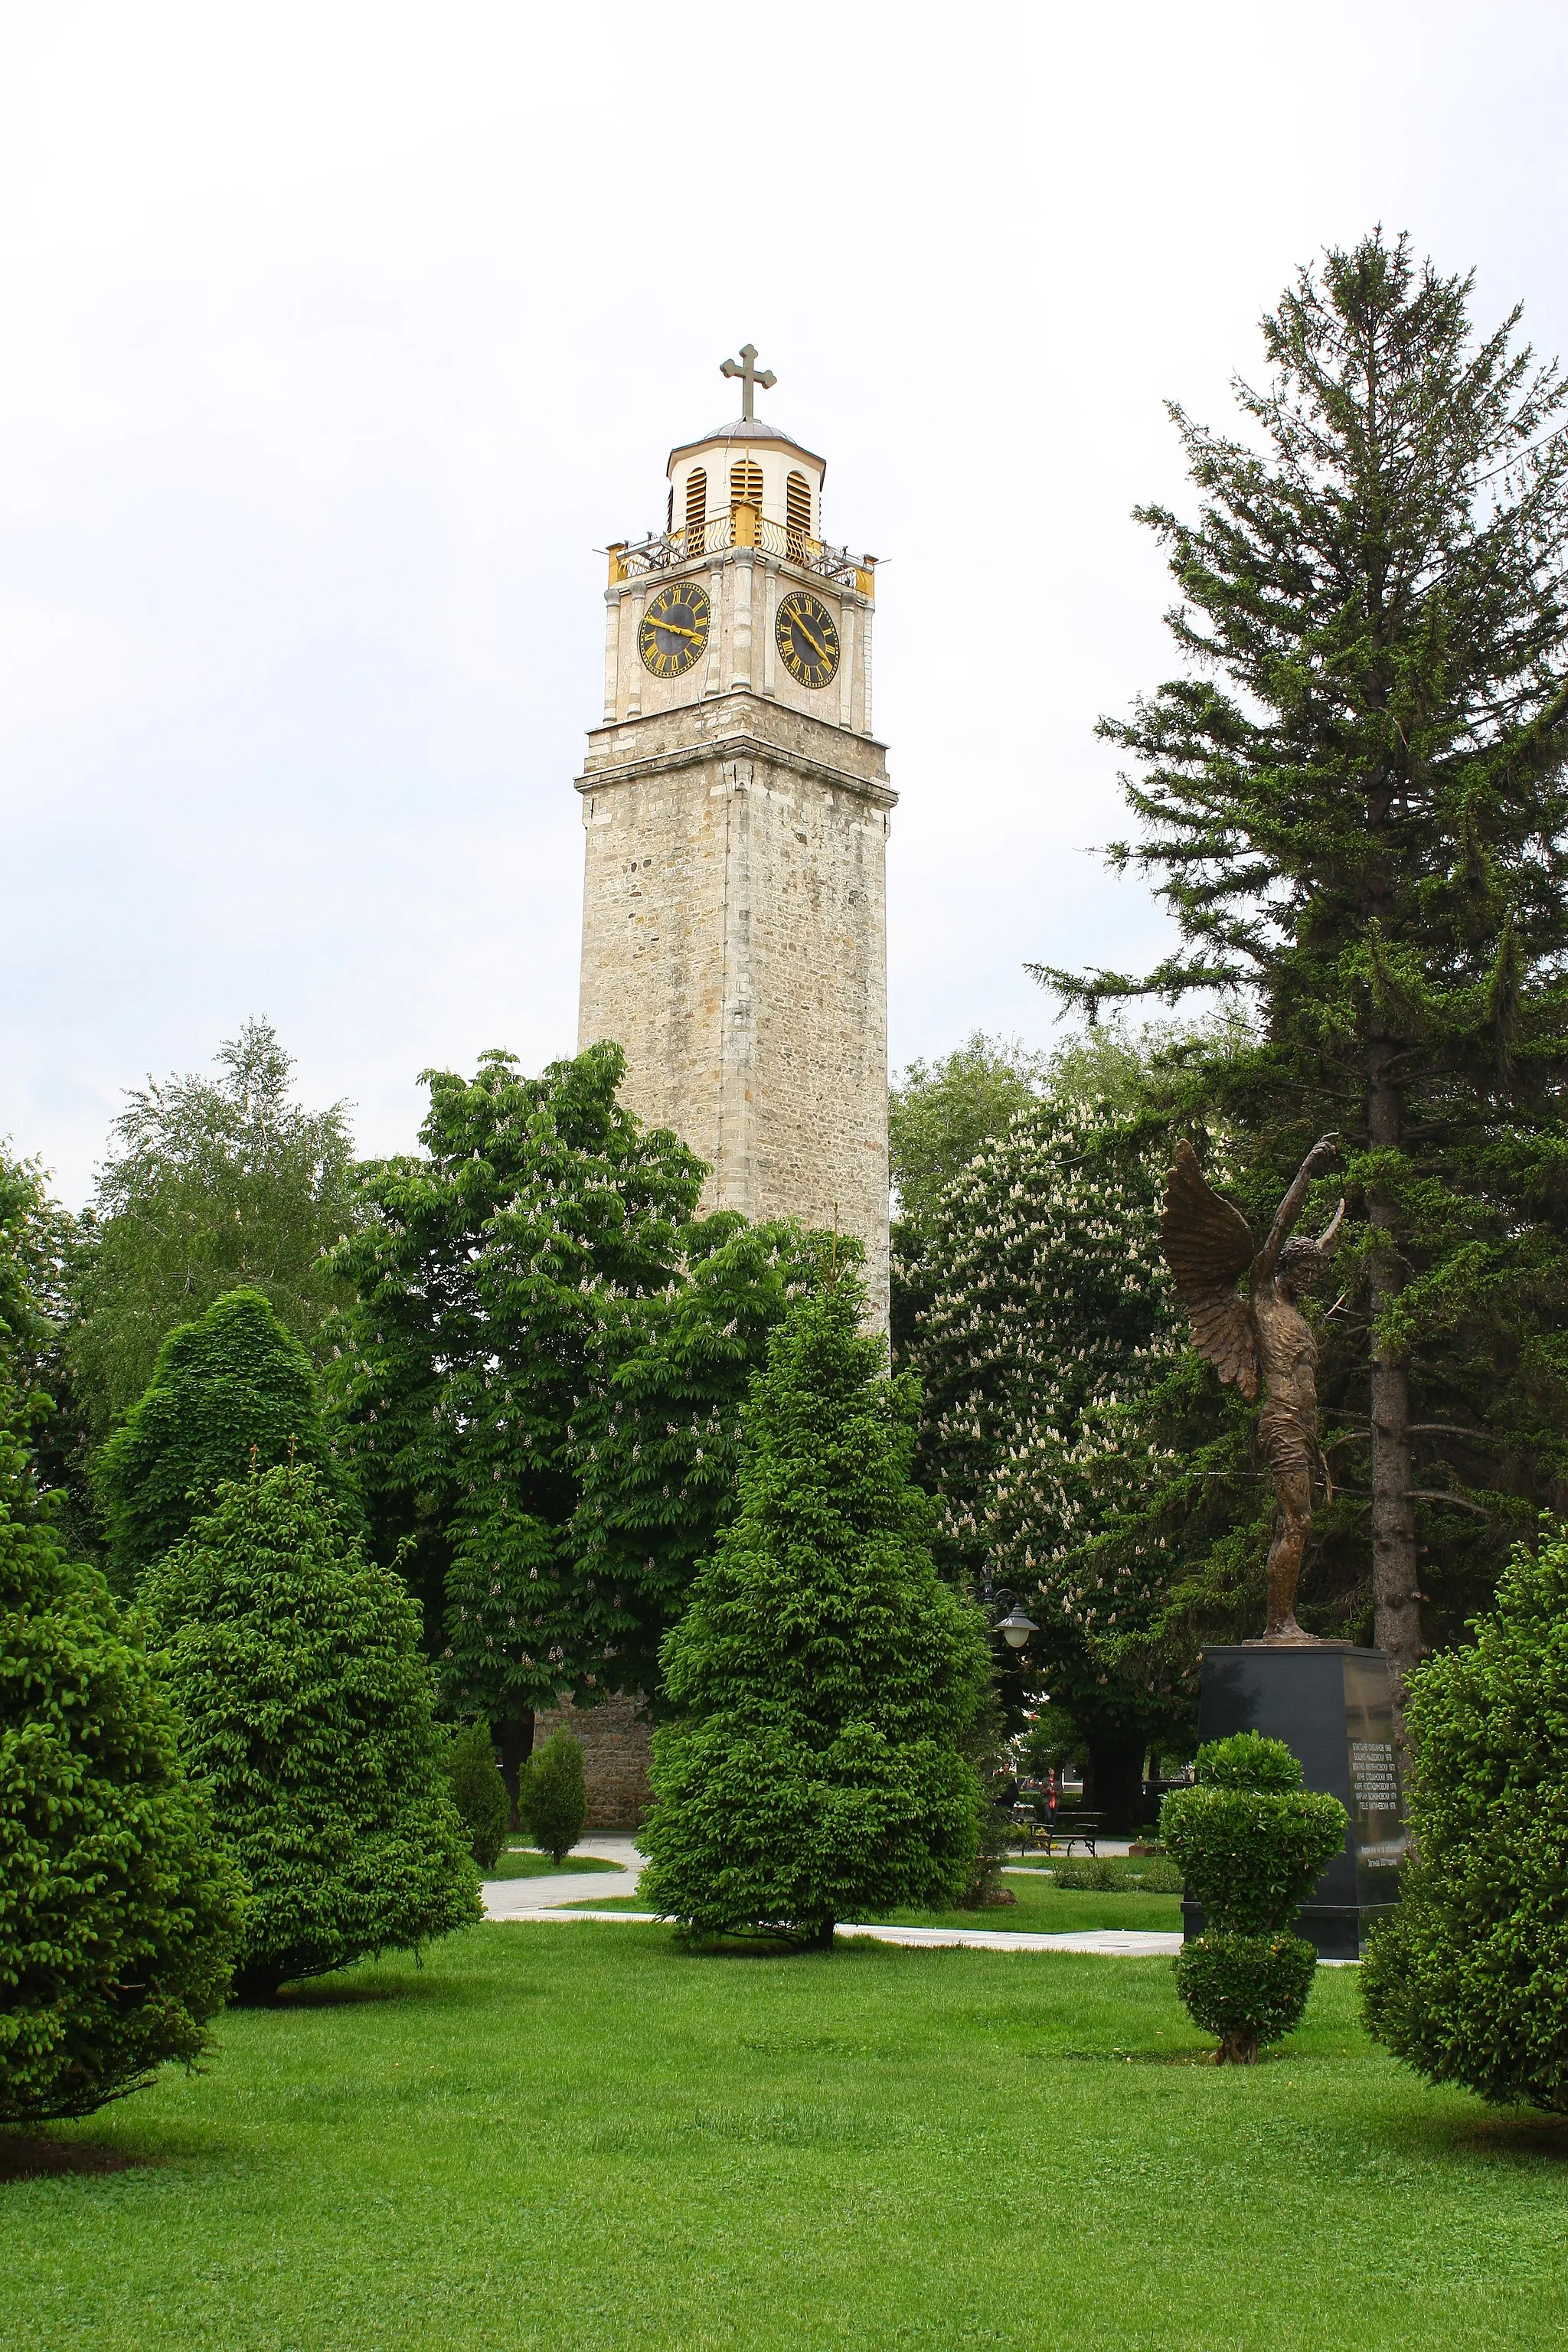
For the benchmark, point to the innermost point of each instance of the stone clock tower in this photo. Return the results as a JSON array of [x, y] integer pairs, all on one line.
[[735, 803]]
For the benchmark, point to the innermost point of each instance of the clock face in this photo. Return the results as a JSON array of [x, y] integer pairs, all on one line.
[[807, 638], [674, 629]]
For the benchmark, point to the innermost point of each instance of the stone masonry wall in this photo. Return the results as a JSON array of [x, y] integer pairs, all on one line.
[[616, 1751], [734, 945]]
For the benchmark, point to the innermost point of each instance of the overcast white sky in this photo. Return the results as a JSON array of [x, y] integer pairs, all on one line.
[[334, 339]]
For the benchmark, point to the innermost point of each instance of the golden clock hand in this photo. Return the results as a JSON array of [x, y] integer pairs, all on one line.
[[805, 627], [676, 630]]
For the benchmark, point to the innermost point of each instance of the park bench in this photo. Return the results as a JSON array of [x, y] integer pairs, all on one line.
[[1060, 1835]]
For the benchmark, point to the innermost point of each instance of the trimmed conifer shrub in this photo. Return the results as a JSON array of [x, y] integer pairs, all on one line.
[[119, 1909], [234, 1380], [828, 1683], [306, 1706], [553, 1800], [478, 1790], [1251, 1843], [1466, 1980]]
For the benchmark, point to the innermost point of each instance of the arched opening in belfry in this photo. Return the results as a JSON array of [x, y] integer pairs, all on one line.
[[798, 513], [696, 509], [746, 485]]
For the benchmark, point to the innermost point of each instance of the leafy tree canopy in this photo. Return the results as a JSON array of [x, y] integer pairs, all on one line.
[[1354, 804], [234, 1392], [542, 1374], [210, 1185], [1047, 1315]]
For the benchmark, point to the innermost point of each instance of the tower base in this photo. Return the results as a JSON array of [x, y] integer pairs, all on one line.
[[1333, 1705]]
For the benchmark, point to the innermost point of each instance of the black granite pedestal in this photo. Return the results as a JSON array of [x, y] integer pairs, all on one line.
[[1333, 1707]]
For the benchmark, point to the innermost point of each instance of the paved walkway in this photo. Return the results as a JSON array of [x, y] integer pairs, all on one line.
[[554, 1897], [532, 1898]]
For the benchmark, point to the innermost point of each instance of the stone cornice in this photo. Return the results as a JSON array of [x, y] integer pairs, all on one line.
[[742, 725]]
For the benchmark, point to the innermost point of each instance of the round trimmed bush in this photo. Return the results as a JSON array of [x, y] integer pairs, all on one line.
[[553, 1800], [1248, 1990], [1467, 1981], [1251, 1843], [306, 1711], [119, 1910], [478, 1790]]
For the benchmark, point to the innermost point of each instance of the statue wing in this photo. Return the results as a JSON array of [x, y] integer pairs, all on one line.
[[1208, 1247]]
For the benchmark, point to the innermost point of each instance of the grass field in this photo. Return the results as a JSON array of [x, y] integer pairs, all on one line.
[[522, 1862], [1041, 1909], [580, 2138]]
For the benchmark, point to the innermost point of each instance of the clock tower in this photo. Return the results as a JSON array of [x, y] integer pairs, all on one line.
[[735, 804]]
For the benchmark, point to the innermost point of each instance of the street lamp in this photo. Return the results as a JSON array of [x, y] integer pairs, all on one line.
[[1015, 1628]]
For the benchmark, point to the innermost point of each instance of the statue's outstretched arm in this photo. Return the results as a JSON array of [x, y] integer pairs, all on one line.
[[1290, 1209]]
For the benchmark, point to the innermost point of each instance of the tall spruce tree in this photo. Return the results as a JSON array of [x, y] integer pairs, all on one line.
[[1354, 803], [830, 1688]]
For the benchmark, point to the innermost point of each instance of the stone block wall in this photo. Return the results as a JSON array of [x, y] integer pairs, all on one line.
[[616, 1751]]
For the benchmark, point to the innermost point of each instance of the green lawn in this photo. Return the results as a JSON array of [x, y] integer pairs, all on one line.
[[1041, 1909], [582, 2136], [522, 1862]]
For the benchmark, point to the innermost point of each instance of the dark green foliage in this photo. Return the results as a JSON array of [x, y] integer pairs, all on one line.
[[553, 1800], [1248, 1990], [1354, 806], [119, 1911], [1466, 1980], [209, 1187], [1107, 1874], [827, 1682], [658, 1442], [40, 1256], [478, 1790], [306, 1712], [235, 1381], [1251, 1842], [520, 1305]]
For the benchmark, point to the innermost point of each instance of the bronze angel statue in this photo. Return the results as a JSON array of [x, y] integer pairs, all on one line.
[[1259, 1337]]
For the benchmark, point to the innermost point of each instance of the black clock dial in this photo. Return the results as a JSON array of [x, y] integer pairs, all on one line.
[[674, 629], [807, 637]]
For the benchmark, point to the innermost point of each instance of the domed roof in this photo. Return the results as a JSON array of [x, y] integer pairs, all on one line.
[[748, 428]]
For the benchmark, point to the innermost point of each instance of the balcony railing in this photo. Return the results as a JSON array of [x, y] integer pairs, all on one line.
[[744, 526]]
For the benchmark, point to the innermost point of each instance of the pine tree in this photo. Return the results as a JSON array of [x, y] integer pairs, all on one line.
[[1354, 806], [658, 1440], [828, 1684], [478, 1792], [231, 1393], [554, 1798], [306, 1711], [119, 1910]]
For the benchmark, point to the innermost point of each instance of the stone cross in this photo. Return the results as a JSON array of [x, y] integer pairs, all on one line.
[[750, 375]]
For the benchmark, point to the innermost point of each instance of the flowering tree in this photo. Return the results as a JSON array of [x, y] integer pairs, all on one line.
[[1047, 1327]]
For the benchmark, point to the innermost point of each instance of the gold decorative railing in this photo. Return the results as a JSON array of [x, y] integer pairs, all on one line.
[[744, 527]]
